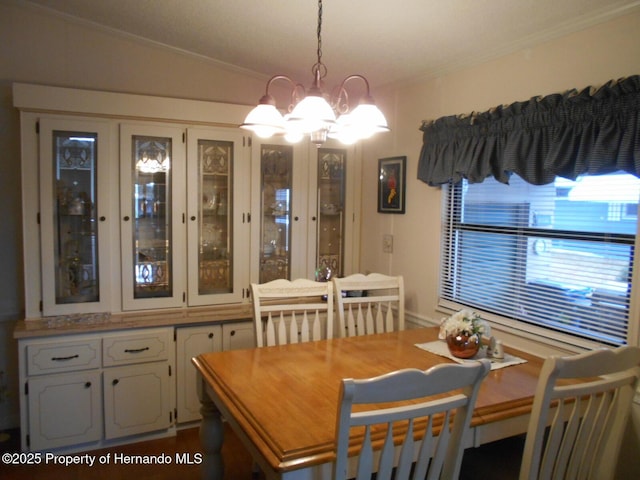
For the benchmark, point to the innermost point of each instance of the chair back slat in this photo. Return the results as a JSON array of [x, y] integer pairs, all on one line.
[[397, 402], [406, 453], [426, 449], [271, 330], [293, 331], [365, 463], [295, 311], [369, 324], [576, 426], [368, 304]]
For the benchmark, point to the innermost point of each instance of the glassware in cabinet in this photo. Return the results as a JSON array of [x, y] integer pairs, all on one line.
[[153, 267], [153, 214], [218, 217], [331, 210], [215, 159], [276, 180]]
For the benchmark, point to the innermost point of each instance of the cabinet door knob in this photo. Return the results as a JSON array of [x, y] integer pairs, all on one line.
[[126, 218], [232, 333], [313, 219], [103, 218], [295, 218], [87, 385], [211, 335], [115, 381], [193, 218]]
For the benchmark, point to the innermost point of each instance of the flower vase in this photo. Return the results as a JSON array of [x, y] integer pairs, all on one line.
[[463, 346]]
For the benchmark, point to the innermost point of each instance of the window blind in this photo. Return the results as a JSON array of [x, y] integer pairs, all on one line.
[[558, 256]]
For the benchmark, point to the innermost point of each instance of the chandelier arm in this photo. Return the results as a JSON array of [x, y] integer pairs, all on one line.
[[351, 77], [268, 99], [341, 102], [279, 77], [295, 96]]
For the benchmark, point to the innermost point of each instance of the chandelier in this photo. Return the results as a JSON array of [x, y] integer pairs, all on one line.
[[313, 113]]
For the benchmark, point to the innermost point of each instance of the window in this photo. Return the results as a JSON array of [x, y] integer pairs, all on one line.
[[557, 256]]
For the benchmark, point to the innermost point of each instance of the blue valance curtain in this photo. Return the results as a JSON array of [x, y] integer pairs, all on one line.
[[593, 131]]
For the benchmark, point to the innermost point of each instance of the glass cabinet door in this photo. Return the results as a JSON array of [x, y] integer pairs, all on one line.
[[153, 228], [218, 243], [153, 275], [276, 180], [331, 211], [71, 152]]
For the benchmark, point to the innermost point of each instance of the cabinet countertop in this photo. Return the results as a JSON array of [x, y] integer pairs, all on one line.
[[101, 322]]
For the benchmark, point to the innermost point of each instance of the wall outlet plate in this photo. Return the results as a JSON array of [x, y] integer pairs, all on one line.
[[387, 243]]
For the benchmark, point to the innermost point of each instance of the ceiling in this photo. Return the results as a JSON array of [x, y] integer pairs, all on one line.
[[391, 42]]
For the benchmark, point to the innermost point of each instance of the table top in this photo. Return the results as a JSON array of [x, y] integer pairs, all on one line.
[[284, 398]]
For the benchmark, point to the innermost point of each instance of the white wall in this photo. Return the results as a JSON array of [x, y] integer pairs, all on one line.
[[589, 57]]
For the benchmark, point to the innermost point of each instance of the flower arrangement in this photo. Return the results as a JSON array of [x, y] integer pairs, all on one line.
[[465, 322]]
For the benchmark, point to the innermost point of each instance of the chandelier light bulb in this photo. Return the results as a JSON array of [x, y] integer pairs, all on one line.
[[369, 120], [264, 120], [311, 114], [344, 130]]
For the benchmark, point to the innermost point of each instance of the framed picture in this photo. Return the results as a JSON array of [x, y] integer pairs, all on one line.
[[391, 184]]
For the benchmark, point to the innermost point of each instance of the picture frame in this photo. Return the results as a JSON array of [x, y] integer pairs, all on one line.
[[391, 184]]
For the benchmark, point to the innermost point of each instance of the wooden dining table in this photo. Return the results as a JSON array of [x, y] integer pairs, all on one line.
[[282, 401]]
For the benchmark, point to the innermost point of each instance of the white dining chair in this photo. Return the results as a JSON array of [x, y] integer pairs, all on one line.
[[400, 406], [367, 304], [286, 311], [580, 410]]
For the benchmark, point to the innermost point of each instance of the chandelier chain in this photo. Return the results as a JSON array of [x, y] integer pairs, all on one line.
[[319, 67]]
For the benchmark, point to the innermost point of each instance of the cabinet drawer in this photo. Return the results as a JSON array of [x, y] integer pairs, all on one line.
[[147, 346], [58, 357]]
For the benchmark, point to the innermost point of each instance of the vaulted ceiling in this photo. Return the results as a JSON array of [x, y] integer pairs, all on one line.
[[389, 41]]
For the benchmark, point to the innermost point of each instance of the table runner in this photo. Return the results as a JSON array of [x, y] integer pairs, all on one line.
[[439, 347]]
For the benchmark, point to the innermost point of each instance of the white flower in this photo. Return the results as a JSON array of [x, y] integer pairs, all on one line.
[[464, 322]]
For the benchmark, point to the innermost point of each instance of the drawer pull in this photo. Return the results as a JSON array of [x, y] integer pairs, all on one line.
[[62, 359], [136, 350], [115, 382], [87, 385]]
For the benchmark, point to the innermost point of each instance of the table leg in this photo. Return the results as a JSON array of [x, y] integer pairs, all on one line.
[[211, 437]]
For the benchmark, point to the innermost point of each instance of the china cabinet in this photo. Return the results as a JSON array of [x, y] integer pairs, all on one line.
[[74, 198], [165, 241], [307, 209], [142, 215]]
